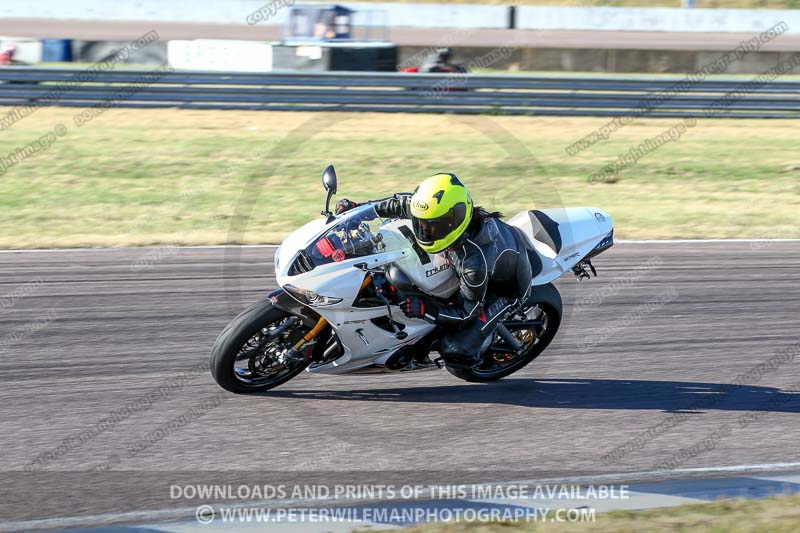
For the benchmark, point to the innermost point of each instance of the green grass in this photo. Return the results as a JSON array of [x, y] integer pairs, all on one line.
[[136, 177], [772, 515]]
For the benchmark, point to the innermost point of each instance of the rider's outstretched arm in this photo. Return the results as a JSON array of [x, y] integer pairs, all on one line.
[[395, 206]]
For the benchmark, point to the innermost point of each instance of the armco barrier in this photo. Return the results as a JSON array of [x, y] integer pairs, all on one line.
[[401, 92]]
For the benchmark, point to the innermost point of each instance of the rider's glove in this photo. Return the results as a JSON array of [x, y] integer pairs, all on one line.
[[415, 307], [344, 205]]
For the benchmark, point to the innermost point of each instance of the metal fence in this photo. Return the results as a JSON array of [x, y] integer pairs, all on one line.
[[402, 92]]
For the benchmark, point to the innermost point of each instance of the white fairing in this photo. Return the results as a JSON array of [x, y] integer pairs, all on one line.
[[364, 342], [581, 231]]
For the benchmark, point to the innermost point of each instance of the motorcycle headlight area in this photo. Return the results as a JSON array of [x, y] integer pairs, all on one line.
[[310, 297]]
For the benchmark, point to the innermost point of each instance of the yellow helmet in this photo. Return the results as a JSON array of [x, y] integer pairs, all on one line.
[[441, 210]]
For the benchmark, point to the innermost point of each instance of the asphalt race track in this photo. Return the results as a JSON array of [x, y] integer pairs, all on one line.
[[83, 334]]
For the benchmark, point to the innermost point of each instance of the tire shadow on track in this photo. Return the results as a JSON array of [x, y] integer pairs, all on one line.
[[668, 396]]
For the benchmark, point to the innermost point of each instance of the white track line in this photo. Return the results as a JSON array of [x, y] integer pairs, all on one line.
[[699, 241], [124, 248], [222, 246], [641, 476], [156, 514]]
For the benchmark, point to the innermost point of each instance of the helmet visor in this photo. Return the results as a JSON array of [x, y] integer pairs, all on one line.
[[429, 230]]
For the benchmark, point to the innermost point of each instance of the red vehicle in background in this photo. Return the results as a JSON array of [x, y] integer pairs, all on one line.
[[7, 55], [439, 62]]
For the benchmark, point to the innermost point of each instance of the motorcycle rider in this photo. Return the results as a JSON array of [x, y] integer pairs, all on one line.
[[7, 54], [488, 256], [440, 61]]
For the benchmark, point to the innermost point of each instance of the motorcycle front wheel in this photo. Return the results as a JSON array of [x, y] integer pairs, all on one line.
[[544, 307], [246, 357]]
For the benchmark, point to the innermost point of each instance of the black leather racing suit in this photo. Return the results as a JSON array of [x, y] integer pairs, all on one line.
[[494, 271]]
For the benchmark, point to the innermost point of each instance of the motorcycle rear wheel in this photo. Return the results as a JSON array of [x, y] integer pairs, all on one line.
[[545, 304]]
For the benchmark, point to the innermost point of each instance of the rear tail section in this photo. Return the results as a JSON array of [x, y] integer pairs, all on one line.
[[564, 238]]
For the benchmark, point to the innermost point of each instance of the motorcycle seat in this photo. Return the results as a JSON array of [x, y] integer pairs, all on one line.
[[545, 229]]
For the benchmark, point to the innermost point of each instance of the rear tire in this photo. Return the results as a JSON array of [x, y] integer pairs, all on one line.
[[548, 299], [228, 348]]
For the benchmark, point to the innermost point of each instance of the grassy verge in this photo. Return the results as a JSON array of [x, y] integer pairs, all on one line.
[[135, 177], [772, 515]]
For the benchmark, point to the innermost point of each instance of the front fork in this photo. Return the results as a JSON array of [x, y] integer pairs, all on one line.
[[294, 354], [282, 300], [318, 327]]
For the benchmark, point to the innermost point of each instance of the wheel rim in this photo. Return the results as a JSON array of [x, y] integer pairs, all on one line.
[[497, 360], [259, 362]]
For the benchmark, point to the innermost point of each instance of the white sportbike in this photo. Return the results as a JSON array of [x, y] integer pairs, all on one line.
[[340, 278]]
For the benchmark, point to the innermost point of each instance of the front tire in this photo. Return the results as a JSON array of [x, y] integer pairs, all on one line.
[[544, 301], [253, 341]]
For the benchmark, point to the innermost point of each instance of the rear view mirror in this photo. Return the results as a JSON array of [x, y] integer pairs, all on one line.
[[329, 182], [329, 179]]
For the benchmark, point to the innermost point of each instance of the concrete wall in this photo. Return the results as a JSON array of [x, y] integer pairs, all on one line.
[[440, 15], [420, 15], [535, 59], [28, 50], [154, 53], [611, 61], [236, 12], [189, 11], [655, 19]]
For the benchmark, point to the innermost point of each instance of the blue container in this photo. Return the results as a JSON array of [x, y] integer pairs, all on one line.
[[56, 50]]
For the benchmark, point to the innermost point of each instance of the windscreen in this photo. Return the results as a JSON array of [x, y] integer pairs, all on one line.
[[356, 235]]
